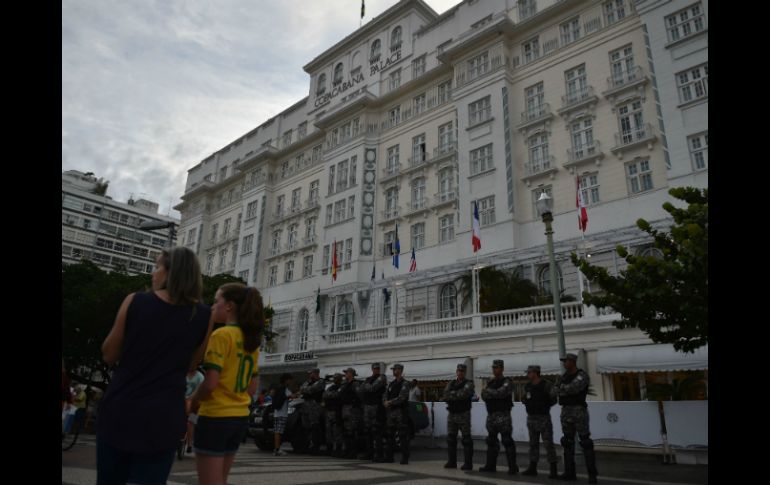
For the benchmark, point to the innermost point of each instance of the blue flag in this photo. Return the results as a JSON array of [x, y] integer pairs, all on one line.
[[396, 249]]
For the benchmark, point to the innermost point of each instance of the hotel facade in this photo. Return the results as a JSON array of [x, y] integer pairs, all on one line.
[[412, 119]]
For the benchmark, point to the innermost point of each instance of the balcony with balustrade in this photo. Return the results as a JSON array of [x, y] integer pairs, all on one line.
[[389, 215], [538, 168], [416, 206], [538, 114], [638, 136], [390, 172], [624, 81], [444, 198], [579, 99], [583, 155]]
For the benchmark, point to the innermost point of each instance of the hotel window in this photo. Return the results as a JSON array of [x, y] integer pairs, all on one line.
[[535, 100], [480, 111], [577, 84], [285, 169], [622, 65], [356, 126], [418, 67], [544, 280], [391, 202], [478, 66], [614, 11], [395, 79], [446, 184], [631, 122], [307, 266], [313, 196], [292, 237], [345, 133], [222, 173], [375, 52], [339, 210], [287, 138], [317, 151], [273, 276], [279, 204], [310, 228], [214, 229], [394, 115], [448, 301], [331, 179], [527, 8], [531, 50], [342, 175], [340, 254], [296, 199], [589, 188], [288, 272], [418, 148], [326, 263], [395, 38], [418, 235], [699, 151], [321, 85], [538, 153], [251, 210], [392, 158], [481, 159], [351, 206], [570, 31], [582, 138], [685, 23], [348, 252], [486, 211], [418, 104], [276, 243], [329, 214], [444, 91], [248, 242], [338, 74], [244, 276], [445, 137], [303, 330], [639, 176], [418, 193], [446, 228], [353, 160], [302, 130], [693, 83], [345, 317]]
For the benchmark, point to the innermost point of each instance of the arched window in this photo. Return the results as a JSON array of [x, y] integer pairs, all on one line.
[[338, 74], [345, 317], [321, 86], [448, 301], [375, 55], [651, 251], [395, 38], [544, 280], [302, 329]]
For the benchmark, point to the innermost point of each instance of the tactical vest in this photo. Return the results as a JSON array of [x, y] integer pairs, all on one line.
[[578, 399], [462, 405], [394, 389], [373, 398], [539, 401], [500, 404], [334, 403], [348, 394], [316, 396]]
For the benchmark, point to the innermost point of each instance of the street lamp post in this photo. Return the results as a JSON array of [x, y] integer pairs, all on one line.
[[545, 209], [153, 225]]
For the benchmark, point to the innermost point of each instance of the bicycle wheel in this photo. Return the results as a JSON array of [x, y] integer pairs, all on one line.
[[68, 439]]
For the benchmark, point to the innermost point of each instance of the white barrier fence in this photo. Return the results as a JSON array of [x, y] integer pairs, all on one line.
[[629, 423]]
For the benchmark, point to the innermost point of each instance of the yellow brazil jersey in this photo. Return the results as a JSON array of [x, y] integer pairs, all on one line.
[[236, 367]]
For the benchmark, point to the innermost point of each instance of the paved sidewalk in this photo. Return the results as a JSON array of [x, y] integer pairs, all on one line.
[[426, 468]]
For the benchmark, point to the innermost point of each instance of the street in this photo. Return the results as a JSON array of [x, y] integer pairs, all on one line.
[[426, 467]]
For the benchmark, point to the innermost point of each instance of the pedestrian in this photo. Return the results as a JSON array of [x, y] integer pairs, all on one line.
[[231, 381], [261, 397], [458, 395], [498, 397], [194, 379], [415, 394], [158, 336], [371, 391], [312, 412], [333, 414], [538, 399], [572, 389], [396, 400], [351, 412], [280, 402]]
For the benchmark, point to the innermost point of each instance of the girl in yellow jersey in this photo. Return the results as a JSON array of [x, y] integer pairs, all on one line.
[[230, 363]]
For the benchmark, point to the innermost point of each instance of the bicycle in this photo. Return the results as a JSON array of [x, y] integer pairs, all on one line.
[[70, 436]]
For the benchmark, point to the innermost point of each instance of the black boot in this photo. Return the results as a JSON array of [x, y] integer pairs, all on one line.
[[404, 449], [510, 454], [532, 470], [404, 458], [452, 463], [590, 457], [468, 452], [554, 471], [569, 467], [491, 465], [390, 444]]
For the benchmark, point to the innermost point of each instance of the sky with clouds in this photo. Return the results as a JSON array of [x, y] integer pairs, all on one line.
[[151, 87]]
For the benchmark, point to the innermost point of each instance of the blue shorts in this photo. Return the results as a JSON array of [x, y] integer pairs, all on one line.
[[219, 436]]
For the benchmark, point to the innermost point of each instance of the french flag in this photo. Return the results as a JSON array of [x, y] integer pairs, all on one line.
[[581, 205], [476, 239]]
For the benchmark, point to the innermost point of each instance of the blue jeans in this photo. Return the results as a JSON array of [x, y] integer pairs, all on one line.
[[118, 467]]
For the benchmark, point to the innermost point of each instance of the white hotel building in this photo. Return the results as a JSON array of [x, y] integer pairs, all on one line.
[[412, 118]]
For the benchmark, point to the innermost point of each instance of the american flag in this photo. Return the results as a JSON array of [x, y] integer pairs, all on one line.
[[413, 264]]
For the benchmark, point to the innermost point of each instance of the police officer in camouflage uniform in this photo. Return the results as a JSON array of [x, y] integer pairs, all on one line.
[[312, 412], [396, 400], [333, 412], [371, 391], [538, 399], [498, 397], [351, 411], [572, 389], [457, 395]]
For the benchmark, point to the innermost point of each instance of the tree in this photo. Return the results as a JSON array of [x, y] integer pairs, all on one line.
[[500, 290], [666, 298]]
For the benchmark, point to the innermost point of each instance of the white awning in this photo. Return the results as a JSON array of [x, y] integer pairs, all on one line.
[[516, 364], [433, 369], [650, 358], [362, 370]]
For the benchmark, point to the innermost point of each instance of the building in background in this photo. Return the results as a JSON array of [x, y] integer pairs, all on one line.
[[412, 120], [106, 231]]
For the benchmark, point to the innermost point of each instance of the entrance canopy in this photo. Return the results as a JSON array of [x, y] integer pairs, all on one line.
[[362, 370], [433, 369], [650, 358], [516, 364]]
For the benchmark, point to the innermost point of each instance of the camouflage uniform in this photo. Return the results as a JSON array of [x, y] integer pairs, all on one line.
[[351, 415], [538, 399], [572, 390], [498, 397], [333, 412], [397, 418], [457, 395], [371, 391], [312, 411]]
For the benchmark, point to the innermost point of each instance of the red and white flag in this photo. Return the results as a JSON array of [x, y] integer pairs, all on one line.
[[334, 261], [476, 237], [580, 203], [413, 264]]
